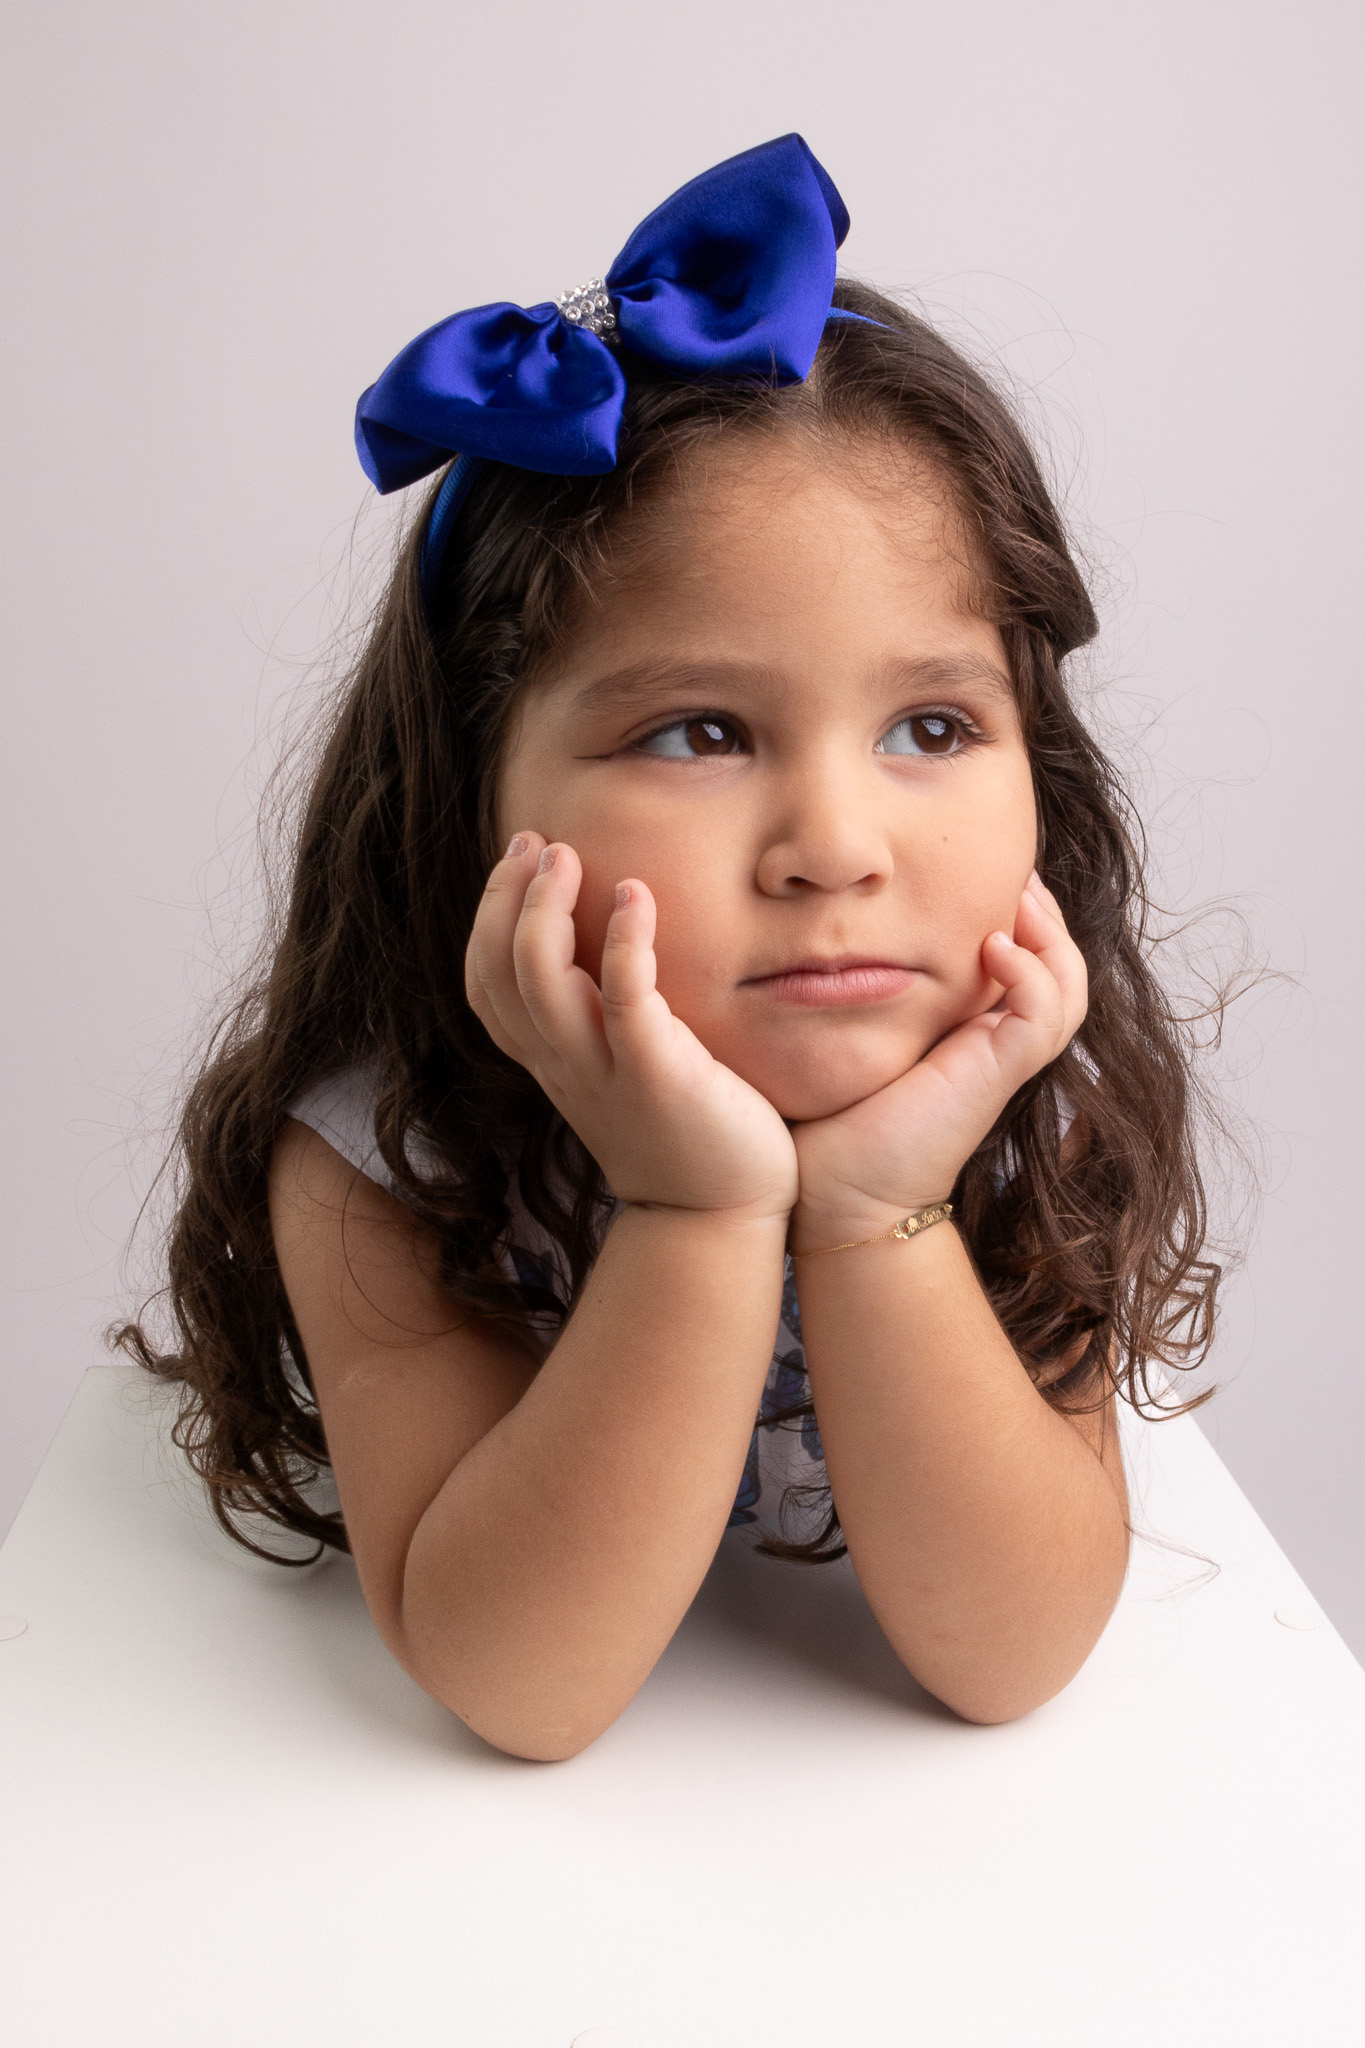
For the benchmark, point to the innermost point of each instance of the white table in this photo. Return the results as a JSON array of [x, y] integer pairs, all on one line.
[[229, 1818]]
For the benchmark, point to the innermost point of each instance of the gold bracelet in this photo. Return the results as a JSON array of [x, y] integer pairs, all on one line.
[[909, 1226]]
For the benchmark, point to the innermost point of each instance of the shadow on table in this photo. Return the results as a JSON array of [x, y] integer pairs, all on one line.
[[817, 1615]]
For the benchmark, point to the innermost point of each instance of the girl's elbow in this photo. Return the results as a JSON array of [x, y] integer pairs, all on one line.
[[535, 1730], [532, 1741], [988, 1699], [993, 1710]]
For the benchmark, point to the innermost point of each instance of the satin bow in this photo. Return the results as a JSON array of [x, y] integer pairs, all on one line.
[[731, 276]]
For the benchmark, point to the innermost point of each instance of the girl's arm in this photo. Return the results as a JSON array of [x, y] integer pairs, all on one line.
[[529, 1534], [988, 1530]]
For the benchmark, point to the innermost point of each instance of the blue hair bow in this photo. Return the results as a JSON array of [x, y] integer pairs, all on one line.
[[731, 276]]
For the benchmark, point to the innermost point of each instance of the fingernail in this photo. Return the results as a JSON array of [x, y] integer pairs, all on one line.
[[1003, 935], [622, 895], [547, 860], [516, 847]]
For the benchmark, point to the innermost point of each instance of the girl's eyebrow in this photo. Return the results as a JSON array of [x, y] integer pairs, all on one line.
[[951, 672], [638, 682]]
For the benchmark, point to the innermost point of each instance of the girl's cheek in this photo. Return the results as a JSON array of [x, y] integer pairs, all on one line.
[[972, 991], [681, 929]]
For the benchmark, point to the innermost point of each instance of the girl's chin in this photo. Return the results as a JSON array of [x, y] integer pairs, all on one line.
[[806, 1097], [808, 1107]]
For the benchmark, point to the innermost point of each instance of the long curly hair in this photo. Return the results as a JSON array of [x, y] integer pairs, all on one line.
[[1083, 1209]]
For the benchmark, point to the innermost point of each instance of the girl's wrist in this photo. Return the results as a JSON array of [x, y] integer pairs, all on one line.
[[753, 1220]]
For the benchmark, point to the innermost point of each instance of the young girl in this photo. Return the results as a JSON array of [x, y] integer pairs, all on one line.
[[711, 918]]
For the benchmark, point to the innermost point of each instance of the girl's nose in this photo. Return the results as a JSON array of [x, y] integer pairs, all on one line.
[[826, 839]]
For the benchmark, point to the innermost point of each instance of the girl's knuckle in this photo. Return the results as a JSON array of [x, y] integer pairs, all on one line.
[[535, 988]]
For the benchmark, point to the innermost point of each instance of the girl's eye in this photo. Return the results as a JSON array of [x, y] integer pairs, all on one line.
[[691, 739], [928, 732]]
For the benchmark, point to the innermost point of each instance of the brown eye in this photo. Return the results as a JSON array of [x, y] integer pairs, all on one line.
[[691, 738], [711, 736], [928, 732], [935, 735]]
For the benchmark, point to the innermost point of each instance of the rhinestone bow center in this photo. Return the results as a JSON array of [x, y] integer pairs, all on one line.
[[590, 306]]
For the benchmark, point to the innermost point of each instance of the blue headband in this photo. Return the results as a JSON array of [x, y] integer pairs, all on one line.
[[732, 276]]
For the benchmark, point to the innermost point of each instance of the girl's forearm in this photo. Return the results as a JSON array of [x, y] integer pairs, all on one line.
[[550, 1572], [987, 1535]]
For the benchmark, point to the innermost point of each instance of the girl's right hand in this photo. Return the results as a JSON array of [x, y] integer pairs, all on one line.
[[668, 1124]]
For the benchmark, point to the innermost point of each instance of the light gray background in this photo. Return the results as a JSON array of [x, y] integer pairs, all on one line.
[[228, 219]]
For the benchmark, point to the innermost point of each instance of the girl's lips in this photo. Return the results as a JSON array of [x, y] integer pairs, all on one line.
[[835, 983]]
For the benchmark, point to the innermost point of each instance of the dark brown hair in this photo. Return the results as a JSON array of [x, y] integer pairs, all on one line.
[[1083, 1209]]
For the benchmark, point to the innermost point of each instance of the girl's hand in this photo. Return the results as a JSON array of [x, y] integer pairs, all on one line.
[[903, 1147], [667, 1124]]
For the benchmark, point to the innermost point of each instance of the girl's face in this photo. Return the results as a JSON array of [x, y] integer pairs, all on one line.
[[784, 717]]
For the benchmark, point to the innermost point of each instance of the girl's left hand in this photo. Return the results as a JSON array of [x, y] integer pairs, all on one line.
[[903, 1148]]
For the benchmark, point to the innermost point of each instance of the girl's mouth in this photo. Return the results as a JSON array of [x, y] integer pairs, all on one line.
[[830, 983]]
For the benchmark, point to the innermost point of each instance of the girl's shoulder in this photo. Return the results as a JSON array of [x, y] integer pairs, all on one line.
[[341, 1106]]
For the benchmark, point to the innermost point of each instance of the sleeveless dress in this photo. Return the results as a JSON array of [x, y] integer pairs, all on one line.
[[782, 1454]]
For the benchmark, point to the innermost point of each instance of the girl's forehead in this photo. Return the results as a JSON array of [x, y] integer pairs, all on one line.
[[763, 503], [774, 552]]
